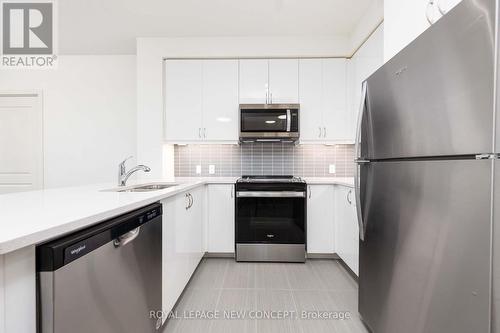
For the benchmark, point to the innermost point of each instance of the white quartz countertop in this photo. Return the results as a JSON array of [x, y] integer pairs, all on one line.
[[29, 218]]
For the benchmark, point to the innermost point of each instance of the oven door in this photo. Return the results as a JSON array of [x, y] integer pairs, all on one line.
[[269, 121], [275, 217]]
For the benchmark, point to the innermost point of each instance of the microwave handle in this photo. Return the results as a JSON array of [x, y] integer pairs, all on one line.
[[288, 120]]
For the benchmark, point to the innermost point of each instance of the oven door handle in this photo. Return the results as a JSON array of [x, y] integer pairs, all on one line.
[[288, 120], [270, 194]]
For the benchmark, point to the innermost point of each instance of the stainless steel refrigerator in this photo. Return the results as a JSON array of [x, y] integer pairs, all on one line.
[[428, 181]]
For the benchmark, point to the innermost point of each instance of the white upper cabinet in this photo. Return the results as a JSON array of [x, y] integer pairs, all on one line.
[[311, 99], [363, 64], [336, 115], [269, 81], [283, 81], [253, 76], [220, 100], [324, 115], [201, 101], [183, 100]]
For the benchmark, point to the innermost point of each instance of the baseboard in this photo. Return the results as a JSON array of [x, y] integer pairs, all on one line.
[[334, 256], [219, 255]]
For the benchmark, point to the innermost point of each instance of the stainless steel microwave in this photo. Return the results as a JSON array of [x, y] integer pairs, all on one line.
[[269, 122]]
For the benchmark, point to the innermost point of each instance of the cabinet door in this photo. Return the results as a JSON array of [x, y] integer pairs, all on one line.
[[336, 114], [174, 255], [195, 226], [346, 227], [221, 218], [183, 100], [320, 219], [284, 81], [311, 99], [253, 78], [220, 100]]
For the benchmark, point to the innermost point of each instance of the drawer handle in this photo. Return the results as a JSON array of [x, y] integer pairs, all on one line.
[[270, 236]]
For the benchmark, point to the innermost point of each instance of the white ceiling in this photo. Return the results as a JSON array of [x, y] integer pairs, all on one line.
[[111, 26]]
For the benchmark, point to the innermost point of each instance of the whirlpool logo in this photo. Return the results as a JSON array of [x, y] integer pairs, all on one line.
[[28, 34], [78, 249]]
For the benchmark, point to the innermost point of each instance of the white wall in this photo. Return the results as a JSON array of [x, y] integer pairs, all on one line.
[[406, 20], [89, 106]]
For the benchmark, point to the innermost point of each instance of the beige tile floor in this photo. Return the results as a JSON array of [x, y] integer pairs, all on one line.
[[254, 289]]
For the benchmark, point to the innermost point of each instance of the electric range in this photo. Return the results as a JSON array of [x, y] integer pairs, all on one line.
[[270, 219]]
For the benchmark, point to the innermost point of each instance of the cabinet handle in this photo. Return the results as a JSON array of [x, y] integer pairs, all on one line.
[[232, 188], [324, 132], [309, 192], [189, 200], [271, 97], [205, 132], [267, 96], [199, 132], [319, 135], [349, 197]]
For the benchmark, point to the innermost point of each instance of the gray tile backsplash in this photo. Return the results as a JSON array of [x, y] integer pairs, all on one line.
[[264, 159]]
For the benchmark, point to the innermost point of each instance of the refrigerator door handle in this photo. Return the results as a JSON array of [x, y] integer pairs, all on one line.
[[359, 163]]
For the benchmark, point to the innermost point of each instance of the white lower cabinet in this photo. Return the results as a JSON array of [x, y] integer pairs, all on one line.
[[183, 239], [320, 219], [220, 218], [346, 225]]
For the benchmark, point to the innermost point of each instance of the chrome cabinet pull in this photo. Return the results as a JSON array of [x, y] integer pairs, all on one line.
[[232, 189], [199, 132], [191, 200], [271, 97], [324, 132], [319, 135], [309, 187], [348, 197], [188, 200], [205, 132]]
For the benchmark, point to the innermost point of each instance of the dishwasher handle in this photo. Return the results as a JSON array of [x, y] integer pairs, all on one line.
[[127, 237]]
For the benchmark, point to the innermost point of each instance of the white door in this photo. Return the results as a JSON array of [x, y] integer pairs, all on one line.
[[21, 142], [253, 78], [311, 99], [283, 81], [336, 114], [221, 218], [320, 219], [183, 100], [220, 100]]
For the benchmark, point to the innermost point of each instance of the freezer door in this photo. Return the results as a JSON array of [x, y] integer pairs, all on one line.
[[425, 259], [435, 97]]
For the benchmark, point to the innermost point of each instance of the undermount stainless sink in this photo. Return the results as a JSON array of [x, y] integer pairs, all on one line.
[[143, 188]]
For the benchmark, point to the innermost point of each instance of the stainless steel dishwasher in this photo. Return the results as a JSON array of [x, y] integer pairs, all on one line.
[[104, 279]]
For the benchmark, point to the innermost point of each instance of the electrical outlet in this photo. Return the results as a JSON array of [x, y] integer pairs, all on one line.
[[211, 169], [331, 168], [198, 169]]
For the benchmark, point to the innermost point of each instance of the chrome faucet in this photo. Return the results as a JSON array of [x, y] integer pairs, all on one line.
[[123, 175]]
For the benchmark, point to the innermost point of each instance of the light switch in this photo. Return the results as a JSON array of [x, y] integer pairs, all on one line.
[[198, 169], [331, 168], [211, 169]]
